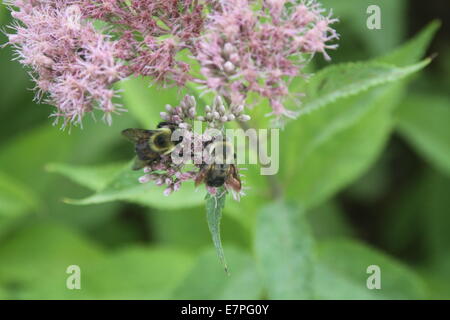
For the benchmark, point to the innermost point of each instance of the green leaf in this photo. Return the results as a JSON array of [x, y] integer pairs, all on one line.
[[47, 142], [414, 49], [214, 207], [145, 101], [35, 260], [423, 121], [16, 199], [335, 145], [136, 273], [123, 185], [421, 209], [206, 281], [343, 80], [328, 221], [93, 177], [341, 273], [283, 246], [185, 228], [328, 157]]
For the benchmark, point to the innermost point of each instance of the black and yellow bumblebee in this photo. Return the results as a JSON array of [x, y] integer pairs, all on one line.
[[219, 173], [151, 144]]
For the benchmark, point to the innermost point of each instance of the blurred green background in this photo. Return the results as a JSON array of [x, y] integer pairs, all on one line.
[[362, 188]]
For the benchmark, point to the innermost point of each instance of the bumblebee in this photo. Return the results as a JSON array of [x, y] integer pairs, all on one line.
[[219, 173], [151, 144]]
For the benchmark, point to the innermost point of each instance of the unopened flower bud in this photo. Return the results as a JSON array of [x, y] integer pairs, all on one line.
[[144, 178], [238, 109], [228, 49], [168, 191], [190, 100], [183, 125], [147, 169], [164, 116], [234, 58], [221, 109], [244, 117], [228, 67]]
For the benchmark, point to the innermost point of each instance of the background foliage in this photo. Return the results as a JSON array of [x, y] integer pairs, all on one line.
[[364, 178]]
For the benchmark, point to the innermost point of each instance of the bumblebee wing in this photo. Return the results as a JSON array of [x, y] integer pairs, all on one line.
[[233, 179], [136, 135], [202, 175], [139, 164]]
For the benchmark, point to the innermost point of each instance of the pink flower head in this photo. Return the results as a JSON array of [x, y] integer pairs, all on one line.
[[73, 65], [245, 50]]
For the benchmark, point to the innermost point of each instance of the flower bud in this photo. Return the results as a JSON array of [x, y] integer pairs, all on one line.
[[244, 117], [228, 67], [238, 109], [192, 112], [228, 49], [144, 178], [164, 116]]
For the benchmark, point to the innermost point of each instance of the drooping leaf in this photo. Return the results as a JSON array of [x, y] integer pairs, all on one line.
[[121, 184], [185, 228], [341, 273], [214, 207], [283, 246], [423, 121], [206, 281]]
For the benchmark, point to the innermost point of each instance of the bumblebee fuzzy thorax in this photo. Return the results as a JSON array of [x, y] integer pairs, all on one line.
[[161, 141]]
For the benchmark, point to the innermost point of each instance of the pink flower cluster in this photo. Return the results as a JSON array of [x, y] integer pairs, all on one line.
[[191, 150], [245, 50], [242, 46], [152, 33], [164, 173], [68, 58]]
